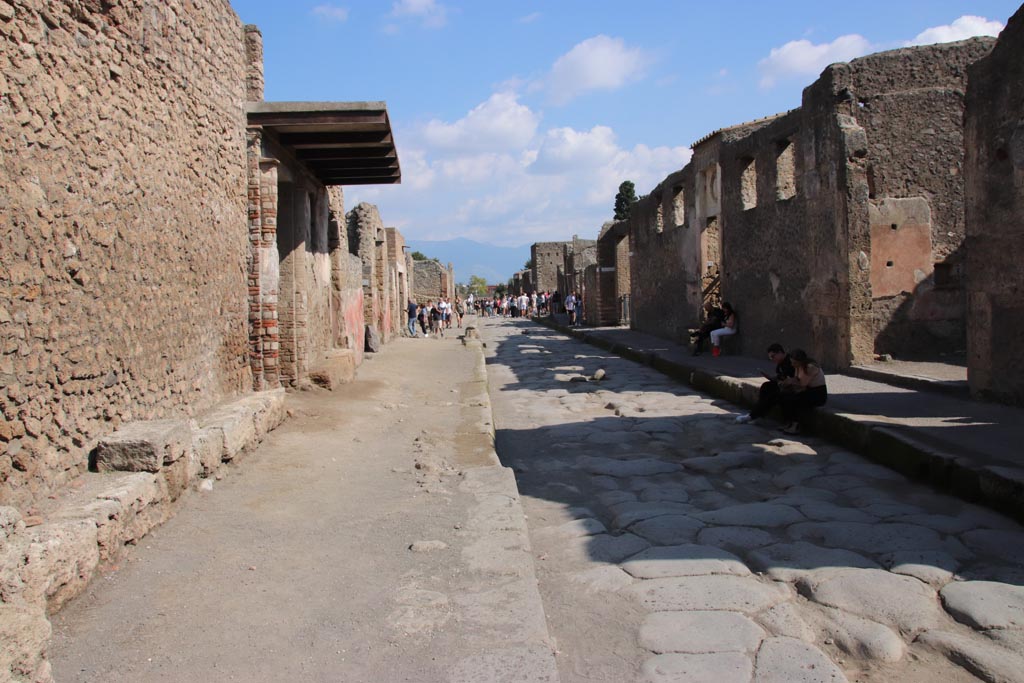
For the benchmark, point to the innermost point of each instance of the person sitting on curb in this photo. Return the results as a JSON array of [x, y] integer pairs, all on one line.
[[806, 390], [713, 317], [769, 393], [729, 327]]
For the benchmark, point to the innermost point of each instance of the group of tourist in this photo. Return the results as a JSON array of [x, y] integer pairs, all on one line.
[[798, 384], [434, 317]]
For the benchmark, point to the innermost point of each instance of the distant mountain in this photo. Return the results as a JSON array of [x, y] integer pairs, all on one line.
[[494, 264]]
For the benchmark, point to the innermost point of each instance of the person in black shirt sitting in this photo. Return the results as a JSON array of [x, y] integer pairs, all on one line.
[[713, 319], [770, 391]]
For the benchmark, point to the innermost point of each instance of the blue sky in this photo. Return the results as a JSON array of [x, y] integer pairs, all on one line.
[[515, 121]]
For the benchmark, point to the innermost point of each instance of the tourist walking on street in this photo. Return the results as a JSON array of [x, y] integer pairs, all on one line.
[[412, 309], [460, 310], [570, 308], [805, 390]]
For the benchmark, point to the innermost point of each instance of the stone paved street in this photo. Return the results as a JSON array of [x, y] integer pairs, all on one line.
[[673, 544]]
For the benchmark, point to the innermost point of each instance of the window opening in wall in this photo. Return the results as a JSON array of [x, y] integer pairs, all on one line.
[[711, 257], [889, 264], [748, 183], [871, 181], [947, 276], [785, 170], [314, 234], [659, 214], [678, 206]]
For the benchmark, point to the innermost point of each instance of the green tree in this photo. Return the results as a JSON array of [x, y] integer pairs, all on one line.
[[624, 200], [419, 256], [500, 290], [477, 285], [529, 264]]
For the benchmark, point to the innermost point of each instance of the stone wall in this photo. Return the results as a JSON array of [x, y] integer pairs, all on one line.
[[994, 175], [123, 236], [546, 257], [400, 292], [431, 281], [366, 240]]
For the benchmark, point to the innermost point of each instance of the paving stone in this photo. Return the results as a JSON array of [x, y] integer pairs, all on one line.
[[612, 438], [631, 513], [944, 524], [659, 425], [985, 659], [785, 619], [866, 469], [741, 537], [683, 560], [876, 594], [753, 514], [608, 578], [676, 493], [835, 482], [605, 482], [716, 464], [616, 497], [721, 667], [712, 500], [626, 468], [715, 592], [587, 526], [829, 512], [985, 604], [1006, 545], [794, 476], [668, 529], [792, 561], [790, 448], [870, 538], [802, 495], [934, 568], [787, 660], [860, 637], [699, 632], [885, 510]]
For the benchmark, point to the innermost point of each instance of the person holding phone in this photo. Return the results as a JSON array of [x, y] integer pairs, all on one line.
[[770, 391]]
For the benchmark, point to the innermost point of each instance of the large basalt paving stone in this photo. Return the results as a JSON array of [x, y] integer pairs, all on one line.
[[869, 538], [860, 637], [627, 514], [1006, 545], [606, 579], [985, 604], [639, 467], [875, 594], [985, 659], [716, 592], [739, 537], [668, 529], [716, 464], [675, 493], [699, 632], [787, 660], [830, 512], [932, 567], [785, 619], [765, 515], [683, 560], [719, 667], [793, 561]]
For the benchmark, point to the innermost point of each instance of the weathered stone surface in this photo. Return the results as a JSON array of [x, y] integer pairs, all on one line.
[[699, 632], [985, 604], [373, 342], [683, 560], [741, 537], [871, 538], [732, 593], [787, 660], [785, 619], [944, 524], [861, 637], [753, 514], [717, 464], [721, 667], [829, 512], [668, 529], [934, 568], [587, 526], [627, 514], [985, 659], [1006, 545], [792, 561], [60, 560], [675, 493], [626, 468], [876, 594], [24, 634], [144, 446]]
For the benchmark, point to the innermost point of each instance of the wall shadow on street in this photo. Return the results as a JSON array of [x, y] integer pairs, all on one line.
[[610, 485]]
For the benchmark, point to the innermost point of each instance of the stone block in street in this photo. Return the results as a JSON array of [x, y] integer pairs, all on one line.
[[985, 604], [698, 632], [793, 561], [987, 660], [668, 529], [787, 660], [683, 560], [764, 515], [860, 637], [731, 593], [719, 667]]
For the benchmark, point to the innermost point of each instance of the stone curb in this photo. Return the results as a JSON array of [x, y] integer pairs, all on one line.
[[895, 448], [46, 562], [534, 657]]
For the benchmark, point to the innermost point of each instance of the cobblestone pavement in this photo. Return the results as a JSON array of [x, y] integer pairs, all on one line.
[[673, 544]]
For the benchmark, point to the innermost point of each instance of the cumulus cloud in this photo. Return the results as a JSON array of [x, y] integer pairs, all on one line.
[[967, 26], [598, 63], [500, 123], [803, 58], [330, 12], [563, 149], [430, 13]]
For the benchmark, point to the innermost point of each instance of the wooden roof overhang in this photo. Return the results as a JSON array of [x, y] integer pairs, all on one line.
[[342, 143]]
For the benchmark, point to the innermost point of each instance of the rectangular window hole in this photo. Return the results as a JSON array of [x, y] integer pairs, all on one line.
[[888, 264]]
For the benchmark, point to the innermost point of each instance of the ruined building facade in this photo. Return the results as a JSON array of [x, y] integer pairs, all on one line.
[[432, 281], [838, 226]]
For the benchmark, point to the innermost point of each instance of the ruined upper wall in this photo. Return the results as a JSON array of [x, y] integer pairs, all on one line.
[[123, 236], [430, 281], [547, 257], [994, 173]]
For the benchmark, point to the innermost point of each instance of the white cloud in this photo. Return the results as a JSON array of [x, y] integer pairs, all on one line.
[[430, 13], [500, 123], [804, 58], [598, 63], [330, 12], [966, 26], [563, 149], [530, 18]]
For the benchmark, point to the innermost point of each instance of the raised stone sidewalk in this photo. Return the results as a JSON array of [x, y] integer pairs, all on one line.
[[142, 471], [968, 448]]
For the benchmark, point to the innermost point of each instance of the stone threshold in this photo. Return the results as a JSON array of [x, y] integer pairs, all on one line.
[[141, 471], [999, 488]]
